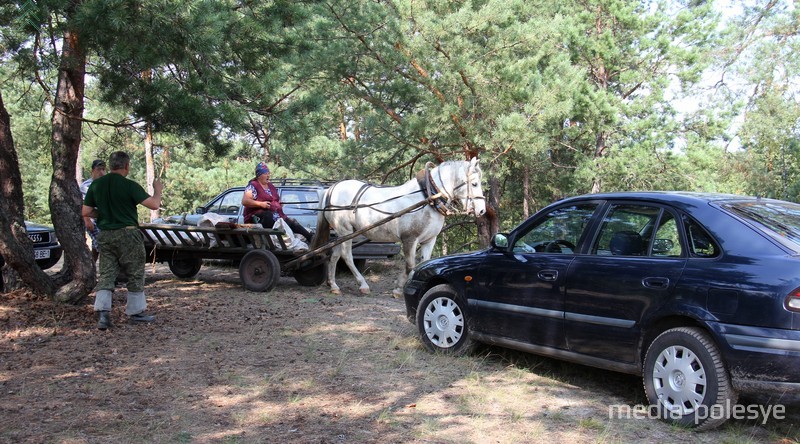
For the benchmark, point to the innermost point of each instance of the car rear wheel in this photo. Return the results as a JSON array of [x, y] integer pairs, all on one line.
[[312, 277], [185, 268], [341, 266], [442, 321], [686, 381]]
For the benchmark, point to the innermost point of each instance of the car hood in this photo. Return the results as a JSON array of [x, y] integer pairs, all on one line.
[[450, 263]]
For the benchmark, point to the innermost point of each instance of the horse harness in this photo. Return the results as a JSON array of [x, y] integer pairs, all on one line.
[[443, 205], [429, 189]]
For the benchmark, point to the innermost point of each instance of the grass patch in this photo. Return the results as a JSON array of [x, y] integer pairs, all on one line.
[[385, 417], [591, 424]]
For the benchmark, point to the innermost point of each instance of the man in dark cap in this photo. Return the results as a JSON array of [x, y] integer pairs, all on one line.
[[262, 202], [98, 170]]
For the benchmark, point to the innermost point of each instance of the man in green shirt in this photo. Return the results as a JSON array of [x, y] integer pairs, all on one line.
[[112, 201]]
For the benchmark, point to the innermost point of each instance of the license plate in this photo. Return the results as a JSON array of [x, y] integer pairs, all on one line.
[[41, 254]]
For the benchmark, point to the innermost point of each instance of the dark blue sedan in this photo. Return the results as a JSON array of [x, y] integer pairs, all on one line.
[[698, 293]]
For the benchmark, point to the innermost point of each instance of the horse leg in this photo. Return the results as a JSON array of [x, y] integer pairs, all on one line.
[[410, 255], [426, 248], [347, 255], [336, 253]]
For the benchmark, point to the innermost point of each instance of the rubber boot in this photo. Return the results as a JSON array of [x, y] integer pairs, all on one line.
[[104, 320]]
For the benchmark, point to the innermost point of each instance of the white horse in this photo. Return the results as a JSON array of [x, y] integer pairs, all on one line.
[[351, 205]]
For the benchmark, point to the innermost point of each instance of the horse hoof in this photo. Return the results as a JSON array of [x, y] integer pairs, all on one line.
[[397, 294], [364, 290], [336, 291]]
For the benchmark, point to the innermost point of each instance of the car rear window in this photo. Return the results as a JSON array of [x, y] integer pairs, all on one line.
[[299, 199], [779, 219]]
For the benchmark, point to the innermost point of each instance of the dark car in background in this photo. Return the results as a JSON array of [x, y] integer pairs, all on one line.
[[300, 200], [697, 293], [46, 249]]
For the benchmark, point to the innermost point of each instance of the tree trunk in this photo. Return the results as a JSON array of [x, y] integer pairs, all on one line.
[[65, 196], [150, 166], [342, 123], [600, 147], [15, 246], [526, 191], [489, 223]]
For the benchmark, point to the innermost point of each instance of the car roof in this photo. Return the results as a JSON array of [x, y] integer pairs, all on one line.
[[675, 198], [288, 184]]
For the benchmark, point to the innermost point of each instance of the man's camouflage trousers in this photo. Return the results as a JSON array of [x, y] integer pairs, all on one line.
[[121, 251]]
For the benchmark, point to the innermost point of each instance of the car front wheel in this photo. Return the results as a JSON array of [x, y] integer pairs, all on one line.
[[442, 321], [686, 381]]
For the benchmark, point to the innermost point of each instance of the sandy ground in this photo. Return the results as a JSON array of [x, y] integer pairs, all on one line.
[[224, 365]]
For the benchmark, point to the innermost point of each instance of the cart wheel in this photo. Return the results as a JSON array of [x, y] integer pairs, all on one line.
[[259, 270], [185, 268], [312, 277]]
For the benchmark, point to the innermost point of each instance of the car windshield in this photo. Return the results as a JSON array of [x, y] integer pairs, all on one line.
[[776, 218]]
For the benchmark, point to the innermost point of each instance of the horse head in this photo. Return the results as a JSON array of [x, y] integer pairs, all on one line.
[[475, 203], [463, 184]]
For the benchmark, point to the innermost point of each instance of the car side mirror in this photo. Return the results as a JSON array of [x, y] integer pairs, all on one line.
[[200, 210], [500, 241]]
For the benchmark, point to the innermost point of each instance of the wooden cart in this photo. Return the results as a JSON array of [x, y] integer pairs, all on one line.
[[263, 253]]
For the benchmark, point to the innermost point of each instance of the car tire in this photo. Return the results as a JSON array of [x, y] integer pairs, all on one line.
[[260, 270], [312, 277], [685, 380], [185, 268], [442, 321], [341, 266]]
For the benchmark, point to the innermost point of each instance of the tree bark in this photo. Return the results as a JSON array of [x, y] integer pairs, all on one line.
[[526, 191], [15, 246], [489, 223], [342, 123], [600, 147], [150, 166], [78, 272]]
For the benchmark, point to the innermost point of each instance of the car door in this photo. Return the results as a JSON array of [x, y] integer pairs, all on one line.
[[631, 269], [521, 296]]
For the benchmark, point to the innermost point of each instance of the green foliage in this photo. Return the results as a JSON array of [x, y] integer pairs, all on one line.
[[30, 124], [763, 50], [575, 96]]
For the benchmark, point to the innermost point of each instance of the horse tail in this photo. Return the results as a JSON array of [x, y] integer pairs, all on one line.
[[323, 232]]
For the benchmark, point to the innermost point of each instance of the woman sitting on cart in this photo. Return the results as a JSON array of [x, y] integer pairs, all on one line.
[[262, 203]]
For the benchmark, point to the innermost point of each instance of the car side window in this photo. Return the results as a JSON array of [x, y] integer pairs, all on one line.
[[667, 242], [558, 232], [701, 244], [628, 229]]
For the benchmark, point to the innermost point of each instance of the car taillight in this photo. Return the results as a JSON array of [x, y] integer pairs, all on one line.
[[792, 302]]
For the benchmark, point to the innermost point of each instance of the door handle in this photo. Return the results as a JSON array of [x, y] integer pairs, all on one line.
[[656, 282], [548, 275]]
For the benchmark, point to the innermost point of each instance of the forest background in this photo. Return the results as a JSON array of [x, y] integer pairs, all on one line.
[[554, 98]]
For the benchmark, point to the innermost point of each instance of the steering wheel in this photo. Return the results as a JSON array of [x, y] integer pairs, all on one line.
[[232, 209], [555, 246]]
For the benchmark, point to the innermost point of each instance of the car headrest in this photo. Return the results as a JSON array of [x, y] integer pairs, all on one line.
[[626, 243]]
